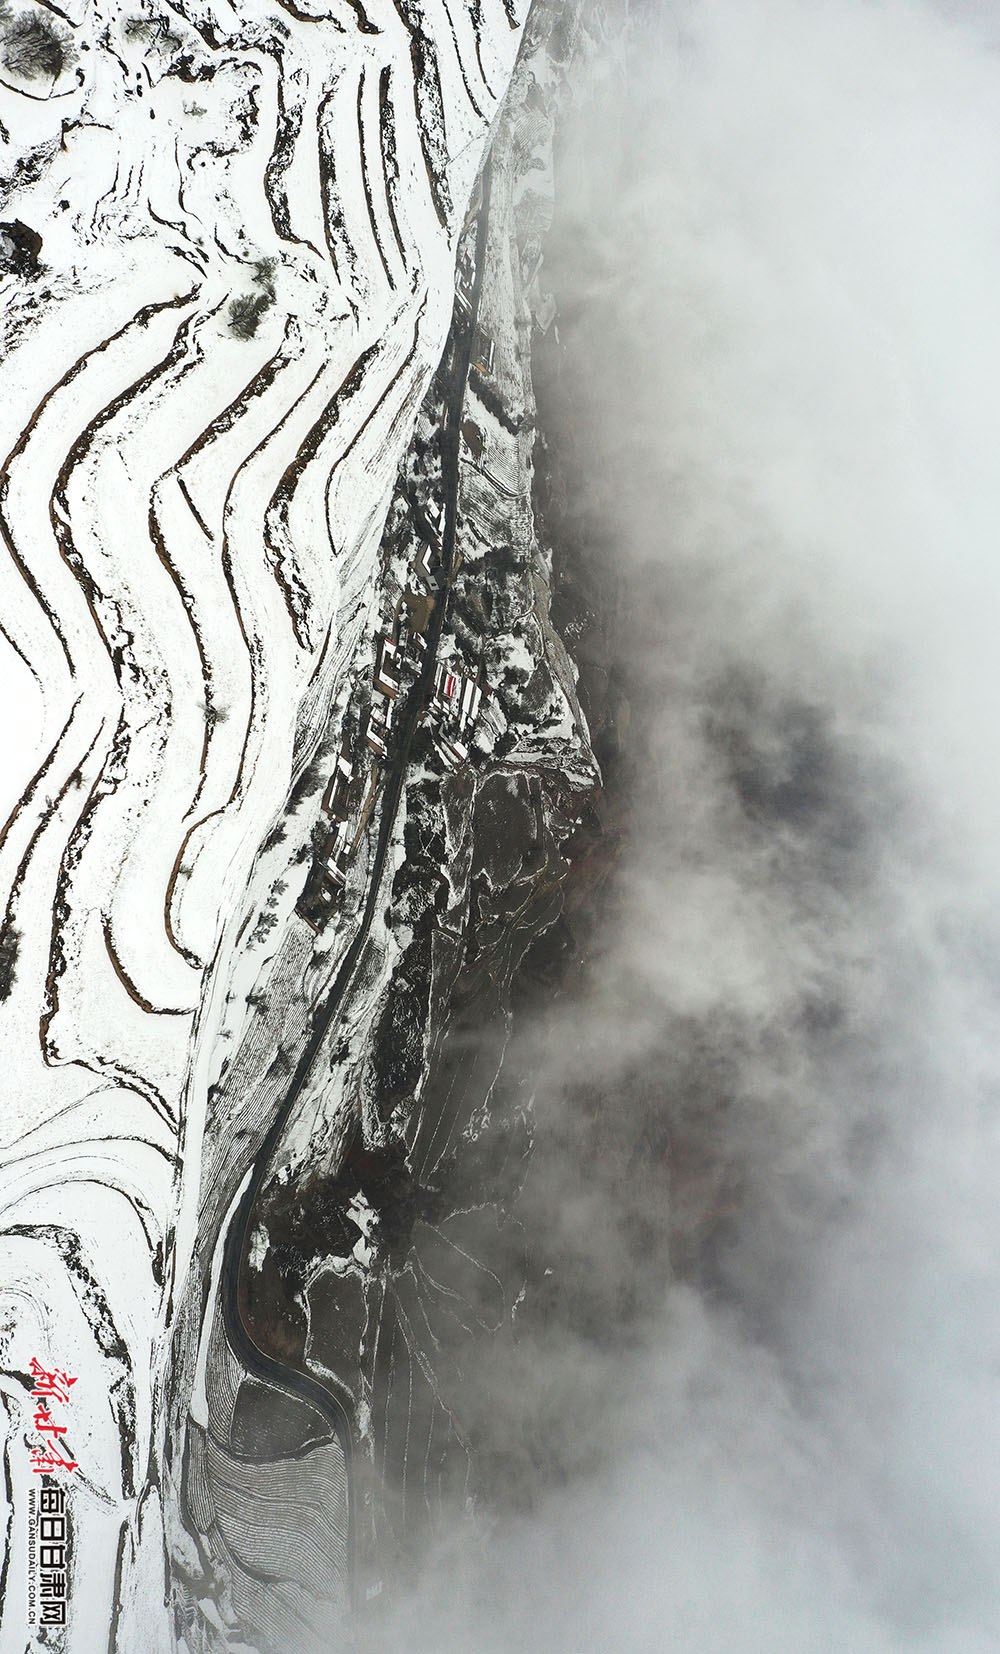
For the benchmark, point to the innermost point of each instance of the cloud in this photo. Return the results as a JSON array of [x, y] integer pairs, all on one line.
[[769, 1375]]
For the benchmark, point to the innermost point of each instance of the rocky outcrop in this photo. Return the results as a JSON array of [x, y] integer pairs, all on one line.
[[383, 1240]]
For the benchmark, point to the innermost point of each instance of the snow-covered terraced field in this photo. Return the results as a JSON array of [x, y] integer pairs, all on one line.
[[213, 363]]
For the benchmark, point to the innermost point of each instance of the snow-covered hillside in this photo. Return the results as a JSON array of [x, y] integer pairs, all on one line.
[[227, 255]]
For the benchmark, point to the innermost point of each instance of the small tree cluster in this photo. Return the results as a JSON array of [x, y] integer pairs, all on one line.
[[246, 310], [33, 47], [10, 943], [153, 31], [245, 313]]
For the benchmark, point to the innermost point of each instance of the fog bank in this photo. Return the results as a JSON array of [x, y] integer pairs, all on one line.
[[777, 261]]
